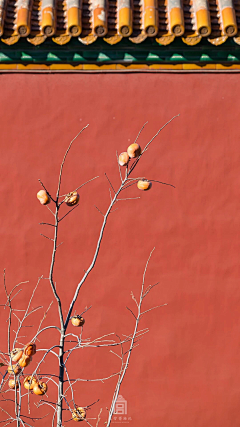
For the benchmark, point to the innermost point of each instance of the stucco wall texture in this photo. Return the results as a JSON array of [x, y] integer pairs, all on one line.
[[185, 371]]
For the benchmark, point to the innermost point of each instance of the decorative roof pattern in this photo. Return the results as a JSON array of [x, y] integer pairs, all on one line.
[[113, 20]]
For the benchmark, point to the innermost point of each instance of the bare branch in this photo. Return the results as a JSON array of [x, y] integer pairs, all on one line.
[[45, 329], [46, 190], [68, 213], [149, 288], [49, 238], [26, 312], [129, 198], [145, 148], [114, 210], [64, 158], [50, 210], [99, 210], [140, 132], [160, 182], [151, 140], [109, 182], [86, 309], [80, 186], [98, 419], [131, 312], [132, 345], [115, 354], [119, 168], [16, 286], [153, 308], [134, 299], [10, 310]]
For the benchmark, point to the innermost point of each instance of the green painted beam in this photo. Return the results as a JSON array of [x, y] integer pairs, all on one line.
[[124, 52]]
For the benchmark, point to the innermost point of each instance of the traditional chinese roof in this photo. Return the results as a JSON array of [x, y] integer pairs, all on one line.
[[114, 20]]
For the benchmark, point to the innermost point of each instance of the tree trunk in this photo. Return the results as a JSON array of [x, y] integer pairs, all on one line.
[[60, 382]]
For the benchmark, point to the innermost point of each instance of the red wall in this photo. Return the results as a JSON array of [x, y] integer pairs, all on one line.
[[185, 371]]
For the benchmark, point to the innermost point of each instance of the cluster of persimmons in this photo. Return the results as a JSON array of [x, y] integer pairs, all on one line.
[[20, 359], [71, 199], [133, 152]]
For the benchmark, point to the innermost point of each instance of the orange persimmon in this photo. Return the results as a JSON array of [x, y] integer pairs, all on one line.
[[16, 354], [72, 198], [24, 361], [134, 150], [123, 159], [14, 369], [12, 384], [77, 320], [43, 197], [29, 382], [144, 184], [30, 349], [40, 388], [78, 414]]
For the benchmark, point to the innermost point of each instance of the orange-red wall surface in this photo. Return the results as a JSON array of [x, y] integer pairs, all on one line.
[[185, 371]]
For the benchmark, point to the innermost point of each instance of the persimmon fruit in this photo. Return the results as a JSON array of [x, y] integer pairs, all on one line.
[[123, 159], [77, 321], [30, 349], [78, 414], [29, 382], [24, 361], [14, 369], [144, 184], [40, 388], [16, 354], [72, 198], [134, 150], [43, 197], [12, 384]]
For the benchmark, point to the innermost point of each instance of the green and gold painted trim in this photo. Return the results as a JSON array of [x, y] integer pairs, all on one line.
[[99, 56], [118, 67]]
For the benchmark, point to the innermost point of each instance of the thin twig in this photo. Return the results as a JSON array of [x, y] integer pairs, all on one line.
[[135, 164], [132, 345], [109, 182], [131, 312], [99, 210], [68, 213], [64, 158], [153, 308], [41, 322], [98, 419], [46, 237], [10, 310], [140, 132], [128, 198], [46, 190], [80, 186], [120, 173]]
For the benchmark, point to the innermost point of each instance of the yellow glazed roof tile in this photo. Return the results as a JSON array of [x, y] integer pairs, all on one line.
[[114, 20]]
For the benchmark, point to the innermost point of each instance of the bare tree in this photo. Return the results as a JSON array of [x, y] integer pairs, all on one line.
[[18, 358]]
